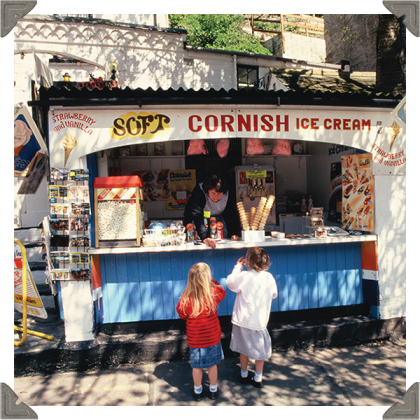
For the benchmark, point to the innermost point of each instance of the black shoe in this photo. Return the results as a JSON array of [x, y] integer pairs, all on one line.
[[255, 383], [198, 397], [213, 395], [246, 380]]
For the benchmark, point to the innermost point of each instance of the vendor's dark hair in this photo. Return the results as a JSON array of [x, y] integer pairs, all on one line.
[[215, 181]]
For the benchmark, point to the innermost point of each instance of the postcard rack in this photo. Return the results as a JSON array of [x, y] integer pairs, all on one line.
[[67, 238]]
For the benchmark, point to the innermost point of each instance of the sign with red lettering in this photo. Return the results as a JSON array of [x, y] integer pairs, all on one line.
[[388, 148], [79, 133]]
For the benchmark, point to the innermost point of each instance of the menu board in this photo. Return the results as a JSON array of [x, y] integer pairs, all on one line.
[[358, 192]]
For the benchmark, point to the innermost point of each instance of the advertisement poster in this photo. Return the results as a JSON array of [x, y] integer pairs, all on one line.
[[358, 192], [182, 183], [156, 184], [34, 178], [34, 303], [27, 142]]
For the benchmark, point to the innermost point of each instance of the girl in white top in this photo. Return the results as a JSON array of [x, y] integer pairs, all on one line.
[[255, 289]]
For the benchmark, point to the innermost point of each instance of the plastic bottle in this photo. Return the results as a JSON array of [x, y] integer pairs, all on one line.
[[310, 203], [303, 207], [213, 227]]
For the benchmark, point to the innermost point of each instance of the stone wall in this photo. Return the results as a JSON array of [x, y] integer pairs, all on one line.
[[298, 47], [353, 38]]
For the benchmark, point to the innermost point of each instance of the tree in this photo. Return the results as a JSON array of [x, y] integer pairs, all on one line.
[[218, 31], [391, 55]]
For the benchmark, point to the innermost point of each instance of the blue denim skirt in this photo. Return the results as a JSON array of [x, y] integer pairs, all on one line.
[[206, 357]]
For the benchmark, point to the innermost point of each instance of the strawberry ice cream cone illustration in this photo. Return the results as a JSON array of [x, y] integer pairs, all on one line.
[[69, 143], [394, 130]]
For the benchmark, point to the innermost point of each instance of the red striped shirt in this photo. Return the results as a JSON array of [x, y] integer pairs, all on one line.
[[203, 330]]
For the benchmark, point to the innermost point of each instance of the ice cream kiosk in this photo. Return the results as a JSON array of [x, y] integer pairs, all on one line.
[[132, 283]]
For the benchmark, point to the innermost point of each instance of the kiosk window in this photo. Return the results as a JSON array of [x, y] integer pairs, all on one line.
[[247, 77]]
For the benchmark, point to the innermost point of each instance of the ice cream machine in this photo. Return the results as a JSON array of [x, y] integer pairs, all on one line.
[[254, 182]]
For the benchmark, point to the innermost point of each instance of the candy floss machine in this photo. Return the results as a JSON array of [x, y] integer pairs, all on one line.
[[254, 182], [119, 211]]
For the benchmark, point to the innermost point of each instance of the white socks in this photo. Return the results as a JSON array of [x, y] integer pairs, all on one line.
[[258, 376], [199, 389]]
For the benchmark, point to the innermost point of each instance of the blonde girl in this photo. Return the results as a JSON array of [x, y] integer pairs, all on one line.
[[198, 307], [255, 289]]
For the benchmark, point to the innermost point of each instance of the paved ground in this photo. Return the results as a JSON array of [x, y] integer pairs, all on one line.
[[363, 375], [370, 374]]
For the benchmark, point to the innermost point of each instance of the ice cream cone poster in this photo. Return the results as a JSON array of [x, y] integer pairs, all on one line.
[[69, 142], [388, 150], [72, 135], [358, 192]]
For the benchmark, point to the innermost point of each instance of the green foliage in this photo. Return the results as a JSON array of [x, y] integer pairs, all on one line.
[[217, 31], [347, 35]]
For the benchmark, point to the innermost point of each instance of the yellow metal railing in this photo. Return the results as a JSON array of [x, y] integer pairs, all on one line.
[[25, 330]]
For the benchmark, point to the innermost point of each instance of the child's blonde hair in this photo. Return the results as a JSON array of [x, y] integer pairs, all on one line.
[[200, 291], [257, 259]]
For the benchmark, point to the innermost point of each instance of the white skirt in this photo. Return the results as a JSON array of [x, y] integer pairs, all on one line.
[[256, 344]]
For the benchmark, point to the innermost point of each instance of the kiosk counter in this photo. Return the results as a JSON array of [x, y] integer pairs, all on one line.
[[140, 284]]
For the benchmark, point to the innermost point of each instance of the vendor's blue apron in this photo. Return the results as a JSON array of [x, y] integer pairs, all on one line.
[[216, 209]]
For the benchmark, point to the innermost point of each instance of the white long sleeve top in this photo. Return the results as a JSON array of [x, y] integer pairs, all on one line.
[[254, 294]]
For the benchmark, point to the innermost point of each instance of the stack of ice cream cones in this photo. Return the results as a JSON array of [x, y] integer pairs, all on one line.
[[243, 215], [257, 217]]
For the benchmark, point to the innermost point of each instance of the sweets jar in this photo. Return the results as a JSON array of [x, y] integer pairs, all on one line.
[[320, 232]]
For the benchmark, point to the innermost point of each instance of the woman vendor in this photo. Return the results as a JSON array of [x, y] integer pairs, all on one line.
[[212, 195]]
